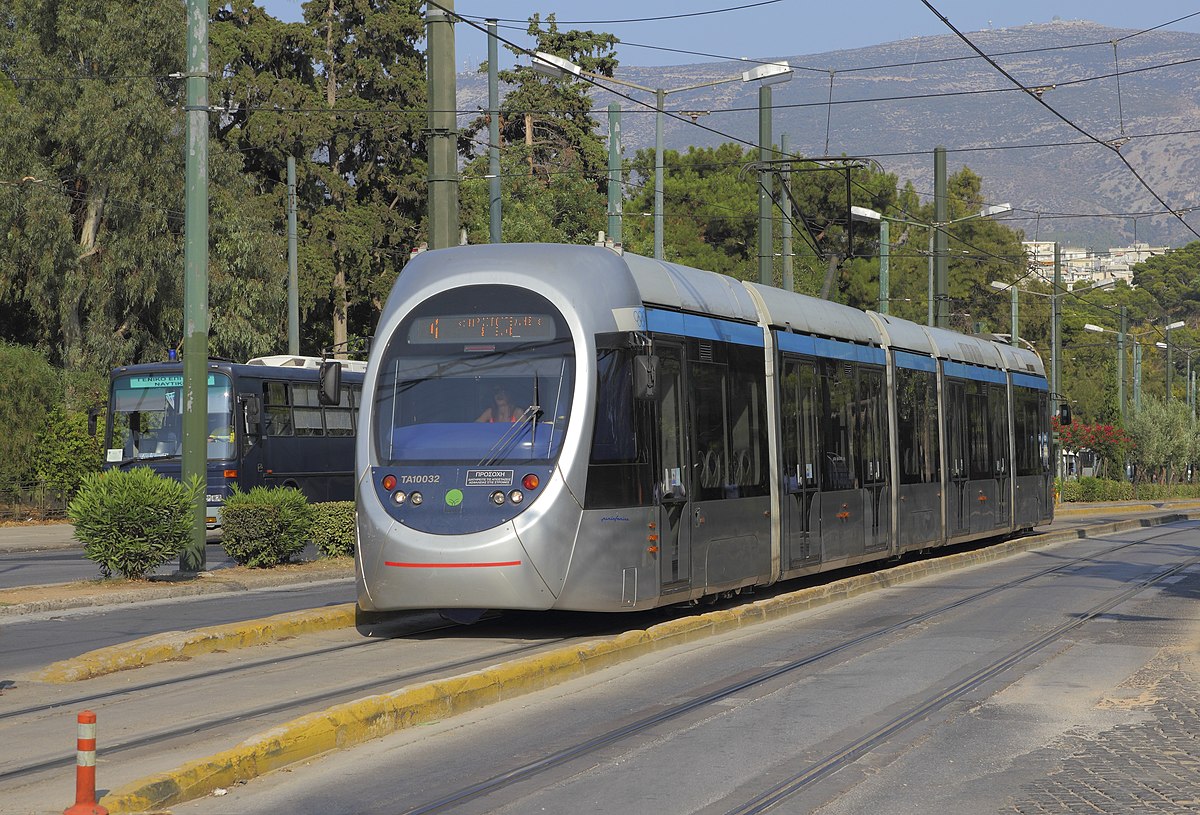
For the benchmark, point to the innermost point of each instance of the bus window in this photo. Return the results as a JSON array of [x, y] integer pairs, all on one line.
[[278, 409]]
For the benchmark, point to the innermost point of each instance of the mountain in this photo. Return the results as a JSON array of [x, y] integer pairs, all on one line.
[[895, 102]]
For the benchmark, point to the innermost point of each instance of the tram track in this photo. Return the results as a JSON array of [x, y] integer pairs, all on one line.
[[295, 704], [849, 753]]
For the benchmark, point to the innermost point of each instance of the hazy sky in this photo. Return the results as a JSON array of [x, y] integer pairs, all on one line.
[[709, 30]]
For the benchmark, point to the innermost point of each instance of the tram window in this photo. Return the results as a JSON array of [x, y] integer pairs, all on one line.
[[916, 426], [872, 456], [978, 432], [998, 414], [747, 424], [710, 395], [671, 440], [799, 436], [619, 471], [955, 427], [1028, 431], [838, 425]]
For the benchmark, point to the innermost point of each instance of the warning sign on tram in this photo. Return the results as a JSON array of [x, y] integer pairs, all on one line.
[[489, 478]]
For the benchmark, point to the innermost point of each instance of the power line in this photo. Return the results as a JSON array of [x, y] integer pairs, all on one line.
[[1031, 92]]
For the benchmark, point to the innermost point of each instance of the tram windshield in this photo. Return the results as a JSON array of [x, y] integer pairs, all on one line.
[[146, 417], [482, 376]]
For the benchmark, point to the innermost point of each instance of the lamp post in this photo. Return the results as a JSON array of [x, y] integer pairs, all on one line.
[[766, 75], [1120, 360], [1170, 363], [871, 216], [938, 227], [557, 67], [1012, 288]]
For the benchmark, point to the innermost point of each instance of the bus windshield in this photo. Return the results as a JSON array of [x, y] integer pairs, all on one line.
[[146, 417], [481, 375]]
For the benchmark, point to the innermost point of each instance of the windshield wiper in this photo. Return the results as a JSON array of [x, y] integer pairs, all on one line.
[[145, 457], [511, 435]]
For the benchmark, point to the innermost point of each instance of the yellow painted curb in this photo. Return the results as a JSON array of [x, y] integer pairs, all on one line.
[[184, 644]]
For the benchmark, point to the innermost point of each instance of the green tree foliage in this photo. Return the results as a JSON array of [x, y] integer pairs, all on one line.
[[133, 521], [1173, 280], [553, 161], [44, 412], [29, 390], [1164, 438], [343, 93], [66, 451], [91, 208]]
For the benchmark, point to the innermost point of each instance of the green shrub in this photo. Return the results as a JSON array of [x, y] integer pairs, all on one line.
[[66, 451], [333, 528], [133, 521], [266, 526]]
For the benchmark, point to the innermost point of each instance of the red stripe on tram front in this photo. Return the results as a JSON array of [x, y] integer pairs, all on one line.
[[451, 565]]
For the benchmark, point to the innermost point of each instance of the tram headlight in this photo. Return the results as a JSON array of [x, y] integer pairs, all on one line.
[[516, 496], [497, 498], [417, 499], [399, 497]]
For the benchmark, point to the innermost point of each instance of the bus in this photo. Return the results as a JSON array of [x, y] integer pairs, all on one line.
[[268, 425]]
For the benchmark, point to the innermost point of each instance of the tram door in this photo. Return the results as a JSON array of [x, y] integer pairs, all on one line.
[[871, 416], [958, 512], [801, 521], [674, 481]]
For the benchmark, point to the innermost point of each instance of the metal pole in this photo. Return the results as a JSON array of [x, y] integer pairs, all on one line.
[[929, 319], [785, 203], [885, 239], [293, 270], [659, 100], [443, 132], [941, 217], [1121, 362], [614, 172], [494, 210], [1056, 327], [195, 295], [1014, 340], [1170, 364], [1137, 375], [766, 241]]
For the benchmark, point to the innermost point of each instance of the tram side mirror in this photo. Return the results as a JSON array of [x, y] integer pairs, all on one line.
[[93, 413], [251, 414], [645, 376], [1064, 414], [329, 392]]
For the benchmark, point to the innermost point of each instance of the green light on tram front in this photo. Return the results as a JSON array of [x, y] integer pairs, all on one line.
[[454, 498]]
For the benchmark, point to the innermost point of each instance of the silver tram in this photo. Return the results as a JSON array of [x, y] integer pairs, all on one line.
[[677, 435]]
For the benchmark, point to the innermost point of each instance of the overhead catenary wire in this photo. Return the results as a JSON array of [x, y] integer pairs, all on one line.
[[1037, 97]]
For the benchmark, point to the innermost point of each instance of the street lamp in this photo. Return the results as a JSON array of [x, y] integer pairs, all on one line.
[[1012, 287], [871, 216], [768, 74], [1120, 359], [939, 226], [1170, 327]]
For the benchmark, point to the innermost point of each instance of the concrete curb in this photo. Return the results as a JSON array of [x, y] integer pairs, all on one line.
[[361, 720], [183, 644], [212, 583]]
